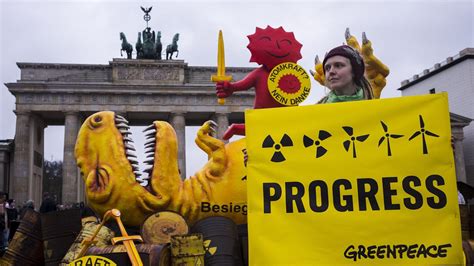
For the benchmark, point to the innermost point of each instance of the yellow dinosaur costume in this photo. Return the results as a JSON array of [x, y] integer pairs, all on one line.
[[110, 173]]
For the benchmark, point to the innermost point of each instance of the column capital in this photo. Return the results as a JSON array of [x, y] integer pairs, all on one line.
[[72, 113], [226, 113], [177, 113], [22, 112]]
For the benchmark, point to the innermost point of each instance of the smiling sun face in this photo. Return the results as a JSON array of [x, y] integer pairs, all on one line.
[[270, 47]]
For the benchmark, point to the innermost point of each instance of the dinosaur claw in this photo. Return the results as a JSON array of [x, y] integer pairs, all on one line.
[[212, 128], [347, 34], [316, 60], [312, 72], [364, 38]]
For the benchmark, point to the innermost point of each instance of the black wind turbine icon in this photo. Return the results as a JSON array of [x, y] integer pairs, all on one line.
[[423, 132], [285, 141], [387, 137], [320, 150], [347, 143]]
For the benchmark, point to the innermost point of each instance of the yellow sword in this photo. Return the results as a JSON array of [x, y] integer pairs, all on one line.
[[127, 241], [220, 76], [125, 238]]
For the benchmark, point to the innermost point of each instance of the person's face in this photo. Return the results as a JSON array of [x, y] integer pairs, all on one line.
[[339, 77]]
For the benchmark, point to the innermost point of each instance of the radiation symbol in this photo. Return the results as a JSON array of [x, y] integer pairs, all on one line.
[[289, 84], [285, 141], [320, 150], [208, 248]]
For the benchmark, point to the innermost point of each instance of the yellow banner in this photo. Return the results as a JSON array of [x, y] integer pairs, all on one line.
[[357, 183]]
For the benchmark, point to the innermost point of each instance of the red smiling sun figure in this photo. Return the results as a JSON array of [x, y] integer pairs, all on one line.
[[269, 47]]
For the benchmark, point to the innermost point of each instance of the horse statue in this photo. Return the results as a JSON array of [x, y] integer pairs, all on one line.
[[158, 46], [173, 47], [126, 46], [139, 47]]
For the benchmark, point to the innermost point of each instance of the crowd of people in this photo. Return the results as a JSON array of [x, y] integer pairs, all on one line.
[[11, 214]]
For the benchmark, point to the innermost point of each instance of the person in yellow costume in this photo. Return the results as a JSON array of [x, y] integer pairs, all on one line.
[[351, 72]]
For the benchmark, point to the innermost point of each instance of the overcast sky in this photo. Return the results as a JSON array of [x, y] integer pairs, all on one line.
[[408, 36]]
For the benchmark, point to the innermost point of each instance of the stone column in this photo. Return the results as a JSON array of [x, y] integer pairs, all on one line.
[[70, 177], [222, 124], [3, 175], [460, 165], [22, 158], [37, 126], [81, 187], [178, 122]]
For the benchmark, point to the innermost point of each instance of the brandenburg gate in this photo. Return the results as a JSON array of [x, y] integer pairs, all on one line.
[[141, 90]]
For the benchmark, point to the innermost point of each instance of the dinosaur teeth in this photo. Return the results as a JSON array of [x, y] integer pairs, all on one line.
[[149, 161], [121, 122], [127, 139], [122, 125], [148, 170], [150, 145], [143, 183], [124, 131], [130, 153], [141, 178], [150, 149], [151, 140], [121, 118], [150, 127], [130, 147], [151, 133], [132, 160]]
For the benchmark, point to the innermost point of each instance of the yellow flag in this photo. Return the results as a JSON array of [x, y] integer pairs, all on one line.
[[356, 183]]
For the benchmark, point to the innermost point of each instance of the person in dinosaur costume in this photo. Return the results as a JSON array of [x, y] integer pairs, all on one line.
[[269, 47], [375, 71], [109, 170]]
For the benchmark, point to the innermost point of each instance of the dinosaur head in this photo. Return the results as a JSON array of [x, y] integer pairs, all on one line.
[[109, 167], [100, 153]]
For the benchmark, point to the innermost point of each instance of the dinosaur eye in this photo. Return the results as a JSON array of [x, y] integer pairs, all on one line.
[[96, 121]]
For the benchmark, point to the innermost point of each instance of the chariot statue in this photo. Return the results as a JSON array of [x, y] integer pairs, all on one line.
[[148, 45]]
